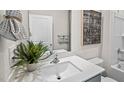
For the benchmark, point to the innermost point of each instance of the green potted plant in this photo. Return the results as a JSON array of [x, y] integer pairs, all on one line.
[[28, 54]]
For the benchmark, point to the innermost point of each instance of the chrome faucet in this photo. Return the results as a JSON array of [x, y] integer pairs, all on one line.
[[55, 60]]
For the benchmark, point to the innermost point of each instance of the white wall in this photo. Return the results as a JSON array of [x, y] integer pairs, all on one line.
[[25, 21], [60, 24], [75, 30], [88, 51], [1, 55]]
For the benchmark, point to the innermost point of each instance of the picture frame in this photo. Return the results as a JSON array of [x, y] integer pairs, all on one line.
[[90, 27]]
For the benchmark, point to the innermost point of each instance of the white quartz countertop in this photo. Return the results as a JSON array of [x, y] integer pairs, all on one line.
[[89, 70]]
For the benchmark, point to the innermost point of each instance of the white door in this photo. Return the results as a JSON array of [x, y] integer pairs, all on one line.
[[41, 28]]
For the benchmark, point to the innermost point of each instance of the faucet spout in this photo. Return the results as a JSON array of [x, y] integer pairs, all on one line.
[[55, 60]]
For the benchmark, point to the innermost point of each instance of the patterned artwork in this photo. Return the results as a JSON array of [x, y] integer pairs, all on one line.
[[91, 27]]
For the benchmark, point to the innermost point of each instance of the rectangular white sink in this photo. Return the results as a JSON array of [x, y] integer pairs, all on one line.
[[59, 71]]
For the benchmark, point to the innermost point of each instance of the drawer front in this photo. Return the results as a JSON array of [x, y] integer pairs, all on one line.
[[97, 78]]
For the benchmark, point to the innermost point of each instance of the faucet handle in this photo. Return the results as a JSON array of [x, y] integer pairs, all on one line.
[[56, 56], [55, 60]]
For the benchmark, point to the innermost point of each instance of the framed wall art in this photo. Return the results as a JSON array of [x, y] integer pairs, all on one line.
[[91, 27]]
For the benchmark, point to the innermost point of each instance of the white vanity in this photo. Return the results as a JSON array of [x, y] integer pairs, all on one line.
[[70, 68]]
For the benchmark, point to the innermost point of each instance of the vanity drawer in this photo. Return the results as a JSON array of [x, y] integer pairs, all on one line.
[[96, 78]]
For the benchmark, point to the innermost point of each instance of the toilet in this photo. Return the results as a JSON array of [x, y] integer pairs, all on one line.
[[99, 62]]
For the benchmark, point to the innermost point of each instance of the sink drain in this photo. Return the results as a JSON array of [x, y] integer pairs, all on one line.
[[58, 77]]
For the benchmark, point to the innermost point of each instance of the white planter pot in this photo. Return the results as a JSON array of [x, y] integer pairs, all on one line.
[[31, 67]]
